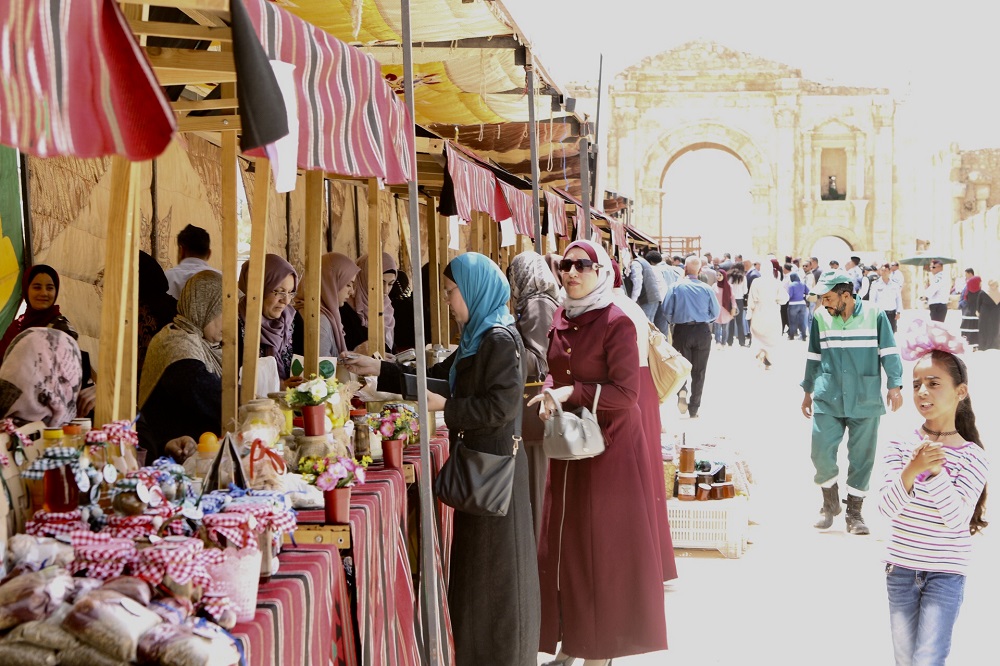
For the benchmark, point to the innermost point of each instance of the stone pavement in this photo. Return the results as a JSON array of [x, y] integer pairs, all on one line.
[[800, 596]]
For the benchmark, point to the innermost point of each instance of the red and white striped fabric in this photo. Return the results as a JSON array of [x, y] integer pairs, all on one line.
[[234, 525], [475, 188], [350, 122], [100, 554], [76, 83], [45, 524], [555, 208], [618, 234], [519, 203]]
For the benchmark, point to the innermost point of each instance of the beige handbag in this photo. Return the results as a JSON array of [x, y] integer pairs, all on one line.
[[573, 435], [669, 369]]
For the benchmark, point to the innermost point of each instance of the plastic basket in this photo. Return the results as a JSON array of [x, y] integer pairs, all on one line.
[[239, 576], [714, 524]]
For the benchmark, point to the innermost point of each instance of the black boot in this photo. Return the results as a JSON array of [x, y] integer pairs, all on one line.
[[830, 508], [855, 523]]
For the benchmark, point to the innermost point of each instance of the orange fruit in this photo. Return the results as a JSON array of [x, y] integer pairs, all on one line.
[[208, 443]]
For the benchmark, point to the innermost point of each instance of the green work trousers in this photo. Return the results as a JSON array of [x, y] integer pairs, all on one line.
[[827, 433]]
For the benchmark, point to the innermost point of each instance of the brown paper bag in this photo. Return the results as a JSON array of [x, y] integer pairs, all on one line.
[[15, 506]]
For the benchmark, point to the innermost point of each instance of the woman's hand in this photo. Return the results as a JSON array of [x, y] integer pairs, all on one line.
[[181, 448], [435, 401], [291, 382], [360, 364], [546, 406], [85, 401]]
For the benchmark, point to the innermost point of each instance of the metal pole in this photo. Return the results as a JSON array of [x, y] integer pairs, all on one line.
[[585, 185], [428, 572], [597, 128], [536, 214]]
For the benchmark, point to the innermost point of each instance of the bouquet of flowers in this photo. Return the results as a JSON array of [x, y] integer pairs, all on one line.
[[329, 473], [395, 422], [314, 391]]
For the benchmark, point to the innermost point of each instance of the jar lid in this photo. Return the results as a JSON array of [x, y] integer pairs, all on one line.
[[359, 412], [52, 433], [72, 429]]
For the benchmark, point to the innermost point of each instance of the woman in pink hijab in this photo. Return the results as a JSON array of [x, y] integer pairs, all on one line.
[[337, 274], [359, 302]]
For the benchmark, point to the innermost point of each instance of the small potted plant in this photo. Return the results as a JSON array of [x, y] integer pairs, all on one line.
[[396, 425], [335, 477], [311, 398]]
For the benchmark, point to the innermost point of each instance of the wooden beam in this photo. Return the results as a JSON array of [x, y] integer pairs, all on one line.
[[204, 104], [209, 124], [123, 211], [255, 279], [130, 351], [312, 279], [230, 292], [376, 321], [201, 33], [437, 268], [183, 66], [433, 285], [198, 5], [428, 145]]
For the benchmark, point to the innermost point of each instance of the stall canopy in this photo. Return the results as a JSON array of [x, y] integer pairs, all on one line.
[[472, 185], [469, 76]]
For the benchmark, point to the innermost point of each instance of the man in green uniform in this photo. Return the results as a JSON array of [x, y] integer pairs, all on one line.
[[850, 340]]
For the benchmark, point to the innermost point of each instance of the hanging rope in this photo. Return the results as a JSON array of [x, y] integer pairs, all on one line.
[[357, 9]]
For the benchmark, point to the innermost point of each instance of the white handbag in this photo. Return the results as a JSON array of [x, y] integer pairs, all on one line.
[[573, 435]]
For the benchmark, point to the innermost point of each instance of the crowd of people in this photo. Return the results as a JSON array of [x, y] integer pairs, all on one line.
[[575, 566]]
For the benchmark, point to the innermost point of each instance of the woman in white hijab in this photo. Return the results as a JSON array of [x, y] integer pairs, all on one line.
[[764, 302]]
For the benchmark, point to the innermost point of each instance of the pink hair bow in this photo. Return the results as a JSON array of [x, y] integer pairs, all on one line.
[[922, 337]]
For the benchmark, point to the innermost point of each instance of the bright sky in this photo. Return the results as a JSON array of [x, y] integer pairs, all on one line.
[[943, 56]]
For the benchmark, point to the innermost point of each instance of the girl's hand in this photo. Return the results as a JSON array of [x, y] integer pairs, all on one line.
[[928, 457]]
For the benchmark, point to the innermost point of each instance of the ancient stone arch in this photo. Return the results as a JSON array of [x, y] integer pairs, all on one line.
[[821, 158]]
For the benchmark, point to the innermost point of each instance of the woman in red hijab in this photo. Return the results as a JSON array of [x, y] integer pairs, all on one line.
[[970, 307]]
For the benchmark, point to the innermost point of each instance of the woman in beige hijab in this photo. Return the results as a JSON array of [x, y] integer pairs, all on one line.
[[180, 391]]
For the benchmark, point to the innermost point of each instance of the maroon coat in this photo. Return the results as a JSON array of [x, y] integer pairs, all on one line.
[[599, 560], [649, 406]]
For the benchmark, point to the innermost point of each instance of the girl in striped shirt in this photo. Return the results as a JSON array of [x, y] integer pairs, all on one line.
[[934, 493]]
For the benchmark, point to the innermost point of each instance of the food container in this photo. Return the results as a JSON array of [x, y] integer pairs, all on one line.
[[686, 484]]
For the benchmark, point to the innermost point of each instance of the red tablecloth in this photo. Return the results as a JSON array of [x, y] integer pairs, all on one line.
[[303, 613]]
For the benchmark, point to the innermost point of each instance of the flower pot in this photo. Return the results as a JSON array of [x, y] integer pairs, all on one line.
[[337, 505], [392, 453], [313, 417]]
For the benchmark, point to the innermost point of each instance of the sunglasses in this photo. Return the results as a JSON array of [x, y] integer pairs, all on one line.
[[580, 265]]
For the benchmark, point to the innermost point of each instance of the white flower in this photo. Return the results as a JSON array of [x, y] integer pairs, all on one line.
[[318, 391]]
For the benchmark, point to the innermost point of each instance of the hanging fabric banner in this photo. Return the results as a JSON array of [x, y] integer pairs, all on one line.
[[12, 240]]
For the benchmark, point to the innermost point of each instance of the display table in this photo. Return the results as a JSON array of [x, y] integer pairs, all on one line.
[[303, 613]]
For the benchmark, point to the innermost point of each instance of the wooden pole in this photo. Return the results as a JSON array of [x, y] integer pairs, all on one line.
[[123, 212], [434, 239], [529, 71], [437, 269], [494, 240], [255, 279], [312, 280], [130, 352], [376, 323], [230, 292]]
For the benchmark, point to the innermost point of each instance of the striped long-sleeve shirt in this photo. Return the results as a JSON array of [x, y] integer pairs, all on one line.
[[930, 525]]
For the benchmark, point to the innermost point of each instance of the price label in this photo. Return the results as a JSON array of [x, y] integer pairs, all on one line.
[[142, 492], [83, 483], [18, 457], [155, 498], [110, 474], [192, 512]]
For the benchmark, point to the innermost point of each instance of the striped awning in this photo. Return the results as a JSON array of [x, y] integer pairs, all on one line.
[[75, 83], [350, 121], [555, 211], [474, 188], [519, 203]]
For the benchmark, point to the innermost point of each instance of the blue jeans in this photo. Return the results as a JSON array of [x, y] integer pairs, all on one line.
[[719, 330], [797, 316], [923, 607], [737, 325]]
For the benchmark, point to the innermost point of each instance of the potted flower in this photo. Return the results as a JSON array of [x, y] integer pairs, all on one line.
[[311, 398], [334, 477], [395, 424]]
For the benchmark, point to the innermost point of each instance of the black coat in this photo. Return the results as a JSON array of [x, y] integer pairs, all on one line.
[[493, 587]]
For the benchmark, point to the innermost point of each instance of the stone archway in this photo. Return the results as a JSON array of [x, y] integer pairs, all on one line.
[[671, 145], [820, 157]]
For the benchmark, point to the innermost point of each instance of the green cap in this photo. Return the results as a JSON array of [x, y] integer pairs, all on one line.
[[829, 279]]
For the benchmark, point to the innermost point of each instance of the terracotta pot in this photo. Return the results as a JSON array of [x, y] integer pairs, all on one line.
[[392, 453], [313, 417], [337, 505]]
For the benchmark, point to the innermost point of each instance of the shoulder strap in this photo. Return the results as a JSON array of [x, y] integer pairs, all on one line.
[[517, 412]]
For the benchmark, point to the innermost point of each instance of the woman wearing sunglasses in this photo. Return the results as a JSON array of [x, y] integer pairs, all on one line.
[[599, 558]]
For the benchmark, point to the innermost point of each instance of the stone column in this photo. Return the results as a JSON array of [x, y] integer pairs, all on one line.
[[786, 117], [860, 163], [880, 235]]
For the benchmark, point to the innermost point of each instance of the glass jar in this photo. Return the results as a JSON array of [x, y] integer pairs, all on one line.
[[60, 492], [52, 437], [361, 442]]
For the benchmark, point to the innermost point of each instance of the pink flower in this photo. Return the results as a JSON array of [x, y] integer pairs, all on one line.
[[359, 474], [386, 429], [326, 481]]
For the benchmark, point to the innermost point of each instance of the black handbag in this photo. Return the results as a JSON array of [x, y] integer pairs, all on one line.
[[479, 483], [532, 426]]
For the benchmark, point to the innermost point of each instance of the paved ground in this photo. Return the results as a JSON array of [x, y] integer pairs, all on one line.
[[799, 596]]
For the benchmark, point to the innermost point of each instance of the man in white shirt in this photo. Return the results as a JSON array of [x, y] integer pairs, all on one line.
[[887, 295], [896, 275], [937, 292], [194, 248], [854, 272]]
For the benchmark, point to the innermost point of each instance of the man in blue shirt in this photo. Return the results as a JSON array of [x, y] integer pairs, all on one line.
[[690, 307]]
